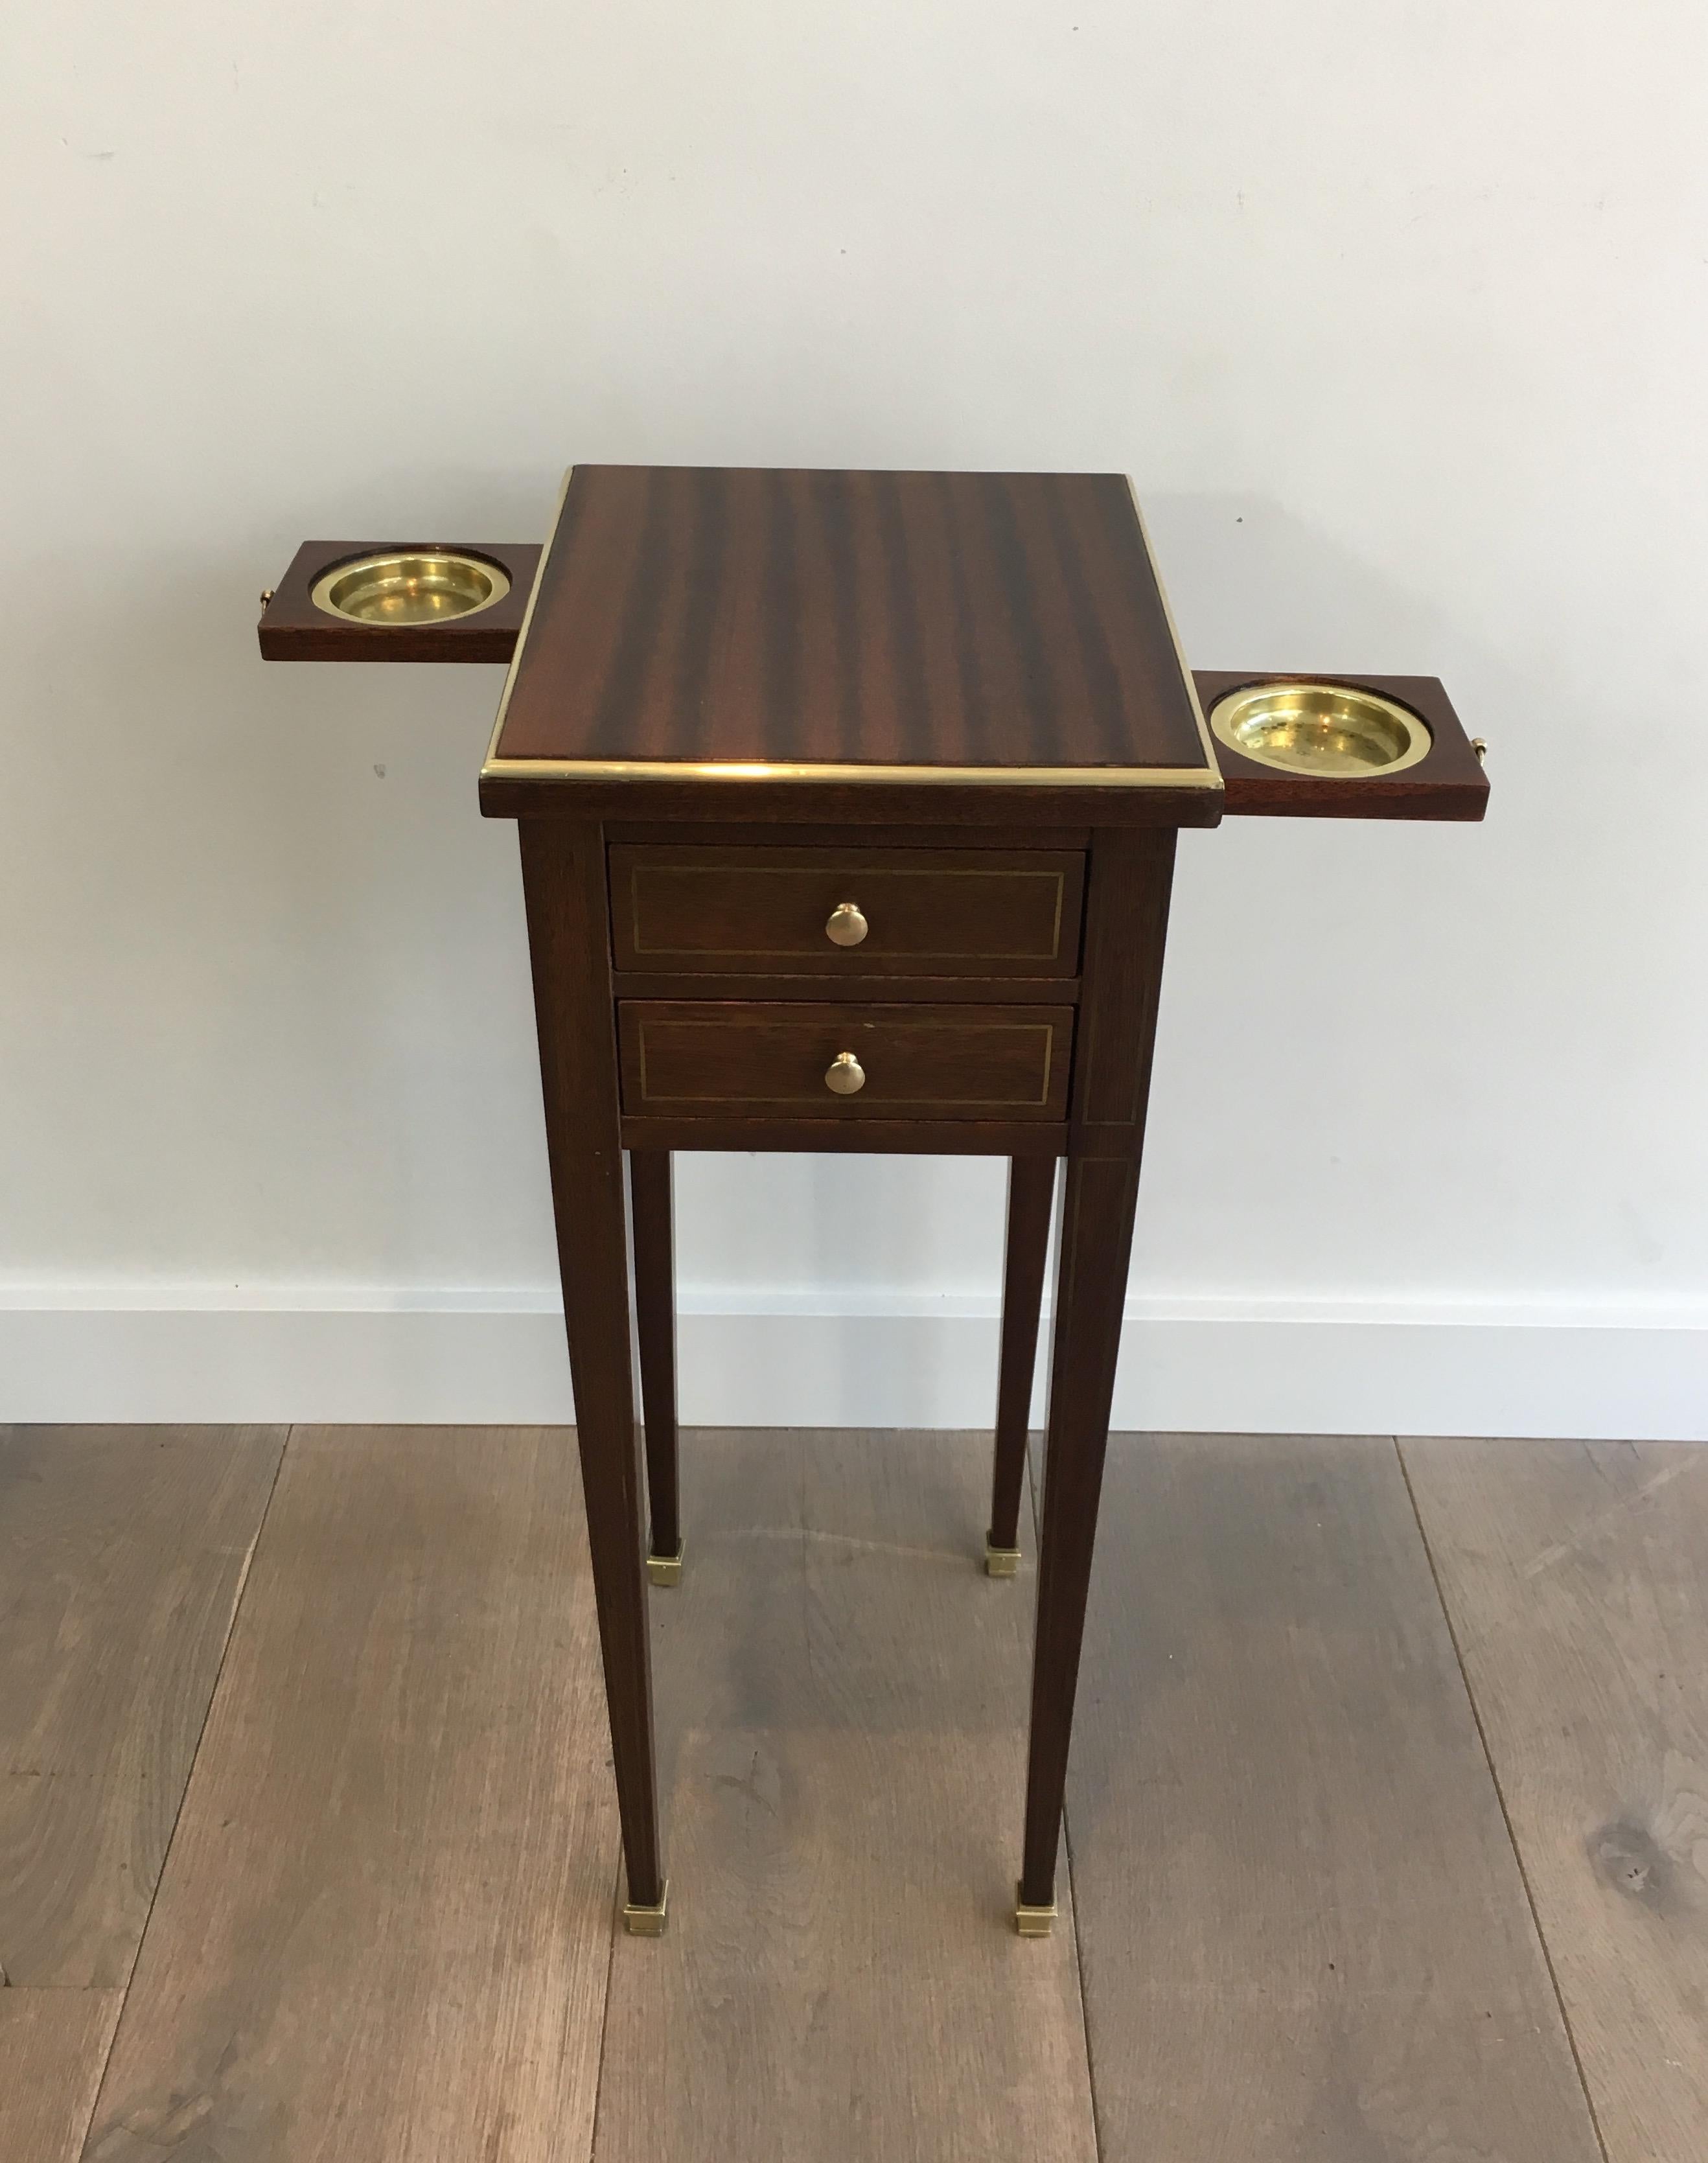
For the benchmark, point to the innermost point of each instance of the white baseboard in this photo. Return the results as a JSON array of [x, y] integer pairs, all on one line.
[[813, 1359]]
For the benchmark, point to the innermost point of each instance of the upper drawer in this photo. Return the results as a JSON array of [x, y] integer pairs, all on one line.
[[846, 912]]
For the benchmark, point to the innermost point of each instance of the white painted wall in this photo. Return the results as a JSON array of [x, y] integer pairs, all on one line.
[[1396, 313]]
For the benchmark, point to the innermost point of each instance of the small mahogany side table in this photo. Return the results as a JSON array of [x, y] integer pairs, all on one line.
[[847, 805]]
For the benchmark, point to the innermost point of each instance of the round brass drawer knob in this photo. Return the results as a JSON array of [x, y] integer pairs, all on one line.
[[844, 1074], [847, 927]]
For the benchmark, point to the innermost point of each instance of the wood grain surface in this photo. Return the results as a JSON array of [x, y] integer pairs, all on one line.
[[385, 1927], [1576, 1575], [931, 912], [706, 613], [1304, 1932], [970, 990], [386, 1922], [749, 796], [711, 831], [842, 1728], [653, 1259], [121, 1554], [1130, 880], [52, 2045], [686, 1058], [1025, 1254], [563, 888], [955, 1137]]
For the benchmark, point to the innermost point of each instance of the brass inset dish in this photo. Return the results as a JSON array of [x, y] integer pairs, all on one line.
[[1335, 730], [425, 586]]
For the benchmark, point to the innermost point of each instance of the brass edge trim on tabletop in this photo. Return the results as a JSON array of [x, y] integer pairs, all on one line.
[[1018, 776], [1186, 674], [521, 636], [494, 768]]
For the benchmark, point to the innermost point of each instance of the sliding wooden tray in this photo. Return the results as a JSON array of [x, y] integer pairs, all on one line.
[[1444, 778], [295, 627]]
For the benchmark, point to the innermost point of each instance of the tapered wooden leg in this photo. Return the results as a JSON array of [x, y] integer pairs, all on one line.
[[655, 1331], [1031, 1184], [1097, 1238], [1127, 896], [564, 883]]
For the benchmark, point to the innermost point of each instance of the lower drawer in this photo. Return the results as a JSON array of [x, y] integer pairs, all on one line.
[[722, 1058]]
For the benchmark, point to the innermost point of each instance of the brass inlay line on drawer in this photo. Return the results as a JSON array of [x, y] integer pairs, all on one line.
[[868, 878], [746, 1059], [976, 1103], [846, 913]]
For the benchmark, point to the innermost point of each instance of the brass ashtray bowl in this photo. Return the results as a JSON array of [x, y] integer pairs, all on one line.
[[423, 586], [1333, 731]]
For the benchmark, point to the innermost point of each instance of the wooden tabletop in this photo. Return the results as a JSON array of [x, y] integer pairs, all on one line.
[[1000, 623]]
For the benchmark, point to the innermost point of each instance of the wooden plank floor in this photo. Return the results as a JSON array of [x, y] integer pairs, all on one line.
[[842, 1711], [384, 1926], [1303, 1930], [52, 2045], [122, 1553], [1577, 1574]]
